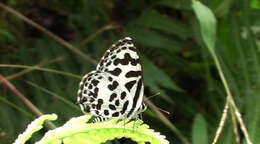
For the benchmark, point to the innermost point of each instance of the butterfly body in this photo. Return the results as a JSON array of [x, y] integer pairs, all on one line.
[[115, 88]]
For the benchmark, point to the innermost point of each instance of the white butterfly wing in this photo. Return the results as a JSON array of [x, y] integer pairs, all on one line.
[[101, 95], [123, 62], [116, 88]]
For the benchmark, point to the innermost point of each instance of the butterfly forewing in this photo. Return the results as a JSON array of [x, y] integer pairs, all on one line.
[[115, 89]]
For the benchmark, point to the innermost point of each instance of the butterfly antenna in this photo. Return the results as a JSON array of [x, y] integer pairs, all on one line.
[[154, 95], [165, 111]]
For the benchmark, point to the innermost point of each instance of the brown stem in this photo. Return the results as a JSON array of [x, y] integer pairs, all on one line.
[[32, 107], [166, 121], [99, 31], [222, 123]]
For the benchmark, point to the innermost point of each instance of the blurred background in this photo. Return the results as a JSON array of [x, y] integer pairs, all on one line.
[[175, 61]]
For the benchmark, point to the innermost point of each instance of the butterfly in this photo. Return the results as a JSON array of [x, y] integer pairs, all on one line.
[[115, 88]]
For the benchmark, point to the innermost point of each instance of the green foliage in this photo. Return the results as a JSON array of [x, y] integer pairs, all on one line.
[[176, 39], [76, 130], [255, 4], [252, 115], [207, 23], [7, 36], [159, 79], [199, 130], [33, 127]]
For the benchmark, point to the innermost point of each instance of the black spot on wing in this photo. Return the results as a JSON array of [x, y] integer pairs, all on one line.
[[91, 99], [82, 100], [106, 112], [112, 107], [94, 82], [112, 49], [94, 94], [115, 72], [133, 74], [90, 75], [116, 114], [132, 48], [124, 107], [126, 60], [117, 103], [112, 97], [90, 86], [123, 42], [118, 51], [99, 104], [108, 63], [84, 80], [100, 101], [110, 79], [130, 84], [113, 86], [97, 112], [114, 56], [87, 108], [123, 95], [96, 90]]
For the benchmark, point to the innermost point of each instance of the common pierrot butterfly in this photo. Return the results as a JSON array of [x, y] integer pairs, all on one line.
[[115, 88]]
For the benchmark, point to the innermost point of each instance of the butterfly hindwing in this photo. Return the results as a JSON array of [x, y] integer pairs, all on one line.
[[101, 95]]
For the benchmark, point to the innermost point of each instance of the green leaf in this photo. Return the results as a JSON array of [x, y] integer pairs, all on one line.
[[33, 127], [154, 78], [76, 131], [153, 39], [199, 130], [252, 115], [220, 8], [255, 4], [6, 36], [207, 23], [155, 20]]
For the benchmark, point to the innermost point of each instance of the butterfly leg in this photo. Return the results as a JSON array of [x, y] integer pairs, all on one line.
[[99, 119], [139, 116], [135, 118], [124, 125]]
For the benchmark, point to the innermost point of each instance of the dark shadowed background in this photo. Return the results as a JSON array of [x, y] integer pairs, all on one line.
[[175, 61]]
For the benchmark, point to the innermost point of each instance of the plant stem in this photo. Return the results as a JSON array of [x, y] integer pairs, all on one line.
[[230, 99], [31, 106]]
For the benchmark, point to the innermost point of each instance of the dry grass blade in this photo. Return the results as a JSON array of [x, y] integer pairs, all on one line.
[[222, 123], [101, 30], [42, 63]]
